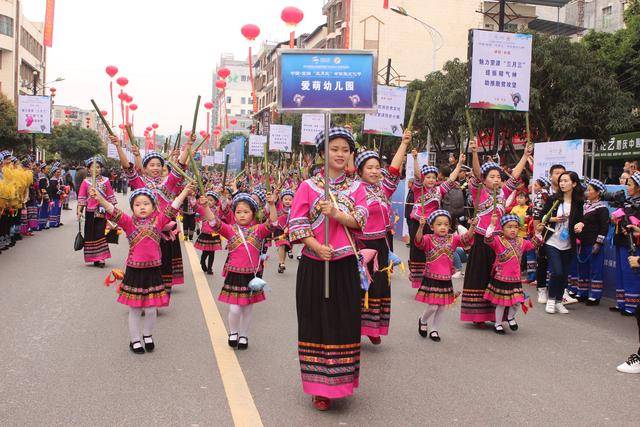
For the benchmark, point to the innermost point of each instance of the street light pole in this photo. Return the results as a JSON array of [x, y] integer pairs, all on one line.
[[35, 92], [433, 32]]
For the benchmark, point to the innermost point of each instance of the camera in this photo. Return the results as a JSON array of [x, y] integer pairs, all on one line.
[[616, 199]]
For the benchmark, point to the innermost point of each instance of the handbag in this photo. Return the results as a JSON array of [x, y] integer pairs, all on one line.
[[78, 243]]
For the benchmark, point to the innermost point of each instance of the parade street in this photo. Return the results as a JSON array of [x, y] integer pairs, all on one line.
[[66, 359]]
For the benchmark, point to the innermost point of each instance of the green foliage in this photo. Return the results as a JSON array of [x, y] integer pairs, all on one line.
[[228, 137], [9, 137], [74, 143]]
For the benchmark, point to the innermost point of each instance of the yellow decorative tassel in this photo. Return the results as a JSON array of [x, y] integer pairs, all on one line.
[[366, 300]]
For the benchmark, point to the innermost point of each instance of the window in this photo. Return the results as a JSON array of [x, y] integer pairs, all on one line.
[[243, 112], [607, 13], [6, 25], [228, 110], [511, 28], [31, 44], [243, 100], [244, 78], [228, 100]]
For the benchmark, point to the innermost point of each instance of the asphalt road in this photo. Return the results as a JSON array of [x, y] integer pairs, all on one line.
[[65, 358]]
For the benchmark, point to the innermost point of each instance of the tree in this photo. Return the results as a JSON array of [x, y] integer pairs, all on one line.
[[226, 138], [74, 143], [9, 137]]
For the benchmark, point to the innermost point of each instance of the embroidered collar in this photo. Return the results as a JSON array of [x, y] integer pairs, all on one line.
[[590, 206], [139, 222]]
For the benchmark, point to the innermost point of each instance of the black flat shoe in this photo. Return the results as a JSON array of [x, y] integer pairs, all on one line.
[[149, 345], [512, 324], [592, 302], [581, 299], [290, 254], [243, 343], [498, 329], [423, 332], [281, 268], [136, 347], [614, 309], [204, 267], [209, 272], [233, 340], [626, 313], [433, 336]]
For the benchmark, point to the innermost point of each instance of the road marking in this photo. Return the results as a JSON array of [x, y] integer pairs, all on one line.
[[243, 408]]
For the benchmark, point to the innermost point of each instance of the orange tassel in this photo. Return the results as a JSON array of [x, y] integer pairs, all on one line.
[[366, 300], [113, 276]]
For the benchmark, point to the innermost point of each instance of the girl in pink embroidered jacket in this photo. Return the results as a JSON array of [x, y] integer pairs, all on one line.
[[142, 287], [244, 243], [505, 289], [436, 289], [151, 176], [489, 194], [427, 195]]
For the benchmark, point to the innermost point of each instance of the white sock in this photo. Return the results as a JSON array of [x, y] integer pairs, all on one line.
[[429, 311], [135, 320], [499, 314], [513, 310], [245, 320], [150, 317], [437, 317], [234, 318]]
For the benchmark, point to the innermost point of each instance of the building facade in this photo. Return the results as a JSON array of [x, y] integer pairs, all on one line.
[[22, 52], [238, 102], [599, 15]]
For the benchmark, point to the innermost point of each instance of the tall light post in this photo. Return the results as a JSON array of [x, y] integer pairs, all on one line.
[[437, 41], [34, 92]]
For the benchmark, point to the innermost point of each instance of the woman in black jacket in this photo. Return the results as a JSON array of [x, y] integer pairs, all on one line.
[[592, 231], [560, 238]]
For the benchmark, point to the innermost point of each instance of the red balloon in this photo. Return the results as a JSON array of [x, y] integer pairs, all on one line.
[[250, 31], [291, 15], [224, 72], [208, 105], [122, 96], [103, 112], [112, 70], [155, 126], [221, 84], [122, 81], [133, 107], [129, 99], [188, 133], [234, 121]]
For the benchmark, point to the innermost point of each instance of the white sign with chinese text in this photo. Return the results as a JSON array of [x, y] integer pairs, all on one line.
[[218, 157], [112, 152], [569, 154], [390, 116], [312, 125], [280, 138], [34, 114], [256, 145], [207, 160], [500, 70]]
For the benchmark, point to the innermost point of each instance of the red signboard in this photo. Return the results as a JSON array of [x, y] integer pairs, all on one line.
[[48, 23]]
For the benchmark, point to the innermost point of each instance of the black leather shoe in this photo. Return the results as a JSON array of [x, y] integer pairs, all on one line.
[[137, 349], [592, 302], [498, 329], [149, 345], [513, 325], [433, 336], [243, 343], [423, 332], [233, 340]]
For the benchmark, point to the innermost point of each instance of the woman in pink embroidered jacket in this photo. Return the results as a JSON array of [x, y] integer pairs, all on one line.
[[165, 190], [329, 329], [142, 287], [505, 289], [437, 289], [489, 194], [244, 243], [96, 248], [379, 187], [427, 195]]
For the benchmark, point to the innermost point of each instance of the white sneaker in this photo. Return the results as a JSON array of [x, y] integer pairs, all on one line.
[[457, 275], [543, 295], [631, 366], [551, 306], [560, 308], [568, 299]]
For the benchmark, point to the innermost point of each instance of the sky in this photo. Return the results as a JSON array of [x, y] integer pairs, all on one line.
[[167, 49]]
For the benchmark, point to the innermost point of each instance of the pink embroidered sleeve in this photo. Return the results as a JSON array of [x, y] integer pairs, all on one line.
[[134, 179], [361, 213], [123, 220], [82, 194], [299, 225]]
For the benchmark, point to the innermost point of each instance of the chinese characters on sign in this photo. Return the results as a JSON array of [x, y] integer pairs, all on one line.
[[624, 145], [34, 114], [326, 80], [570, 154], [500, 70], [256, 145], [312, 125], [280, 138], [390, 116]]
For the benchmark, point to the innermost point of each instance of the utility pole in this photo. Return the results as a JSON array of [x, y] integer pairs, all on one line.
[[35, 92]]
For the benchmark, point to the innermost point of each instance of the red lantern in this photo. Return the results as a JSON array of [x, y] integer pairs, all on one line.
[[234, 122], [155, 126], [133, 107], [122, 96], [149, 129], [224, 72], [53, 90], [121, 126], [188, 133], [203, 133], [67, 112], [122, 81], [292, 15], [56, 122], [217, 132], [250, 31], [129, 99], [208, 105], [104, 113], [112, 70], [221, 84]]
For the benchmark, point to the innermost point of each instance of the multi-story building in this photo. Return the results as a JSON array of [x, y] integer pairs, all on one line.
[[238, 100], [76, 117], [599, 15], [22, 53]]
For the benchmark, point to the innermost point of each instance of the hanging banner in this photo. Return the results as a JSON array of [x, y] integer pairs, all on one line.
[[621, 146], [390, 116], [312, 125], [48, 23], [256, 145], [34, 114], [569, 154], [218, 157], [235, 150], [280, 138], [339, 80], [500, 70], [112, 152]]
